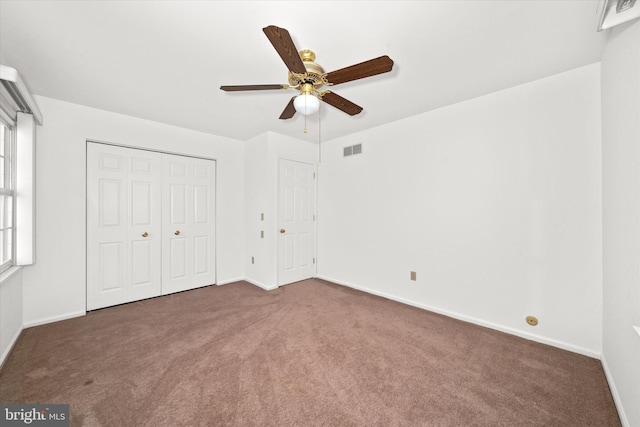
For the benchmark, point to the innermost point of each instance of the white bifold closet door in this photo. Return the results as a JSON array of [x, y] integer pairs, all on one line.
[[188, 253], [124, 229], [150, 224]]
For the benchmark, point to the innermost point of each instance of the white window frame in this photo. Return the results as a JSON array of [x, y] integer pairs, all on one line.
[[19, 112], [24, 187], [8, 190]]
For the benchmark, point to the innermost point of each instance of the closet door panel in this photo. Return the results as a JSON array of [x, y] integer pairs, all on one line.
[[123, 225], [189, 233]]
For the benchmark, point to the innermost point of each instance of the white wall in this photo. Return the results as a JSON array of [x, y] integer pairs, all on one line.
[[10, 310], [257, 193], [54, 288], [495, 203], [262, 155], [621, 217]]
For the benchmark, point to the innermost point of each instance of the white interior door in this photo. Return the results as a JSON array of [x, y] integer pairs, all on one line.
[[123, 225], [296, 219], [188, 208]]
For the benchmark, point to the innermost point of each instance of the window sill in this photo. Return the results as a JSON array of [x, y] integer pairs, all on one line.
[[7, 274]]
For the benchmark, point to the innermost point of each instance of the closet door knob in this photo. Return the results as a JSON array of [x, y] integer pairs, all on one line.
[[177, 233], [282, 231], [145, 234]]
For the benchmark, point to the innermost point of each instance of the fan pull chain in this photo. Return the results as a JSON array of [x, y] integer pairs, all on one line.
[[319, 136]]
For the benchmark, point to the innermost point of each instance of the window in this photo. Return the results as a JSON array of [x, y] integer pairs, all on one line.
[[6, 196], [19, 116]]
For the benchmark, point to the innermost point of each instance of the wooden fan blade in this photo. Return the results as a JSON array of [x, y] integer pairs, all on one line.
[[341, 103], [380, 65], [289, 111], [252, 87], [281, 41]]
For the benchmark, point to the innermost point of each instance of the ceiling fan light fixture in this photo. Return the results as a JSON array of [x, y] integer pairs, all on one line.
[[306, 104], [308, 77]]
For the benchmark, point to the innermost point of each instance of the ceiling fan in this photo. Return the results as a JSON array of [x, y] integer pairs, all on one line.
[[308, 77]]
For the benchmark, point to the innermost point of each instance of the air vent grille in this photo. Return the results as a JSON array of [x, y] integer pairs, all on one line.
[[352, 150]]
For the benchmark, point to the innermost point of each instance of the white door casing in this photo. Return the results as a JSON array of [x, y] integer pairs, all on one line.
[[296, 220], [188, 210], [123, 225]]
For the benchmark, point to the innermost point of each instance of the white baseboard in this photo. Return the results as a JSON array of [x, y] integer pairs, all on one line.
[[12, 343], [54, 319], [614, 392], [469, 319], [226, 282], [260, 285]]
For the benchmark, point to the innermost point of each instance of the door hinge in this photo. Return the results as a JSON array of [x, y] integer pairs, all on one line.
[[314, 260], [314, 175], [314, 217]]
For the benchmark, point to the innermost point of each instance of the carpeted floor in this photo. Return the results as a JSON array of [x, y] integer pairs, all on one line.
[[308, 354]]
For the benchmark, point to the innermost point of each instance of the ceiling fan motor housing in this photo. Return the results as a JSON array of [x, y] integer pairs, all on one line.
[[314, 74]]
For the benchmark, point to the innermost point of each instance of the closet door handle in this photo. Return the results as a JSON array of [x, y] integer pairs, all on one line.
[[145, 234], [177, 233]]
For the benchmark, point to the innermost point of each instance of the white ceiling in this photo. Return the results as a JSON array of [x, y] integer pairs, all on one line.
[[165, 60]]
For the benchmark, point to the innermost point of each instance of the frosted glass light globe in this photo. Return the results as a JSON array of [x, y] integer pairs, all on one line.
[[306, 104]]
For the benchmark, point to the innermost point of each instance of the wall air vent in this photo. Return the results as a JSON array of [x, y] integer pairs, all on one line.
[[352, 150]]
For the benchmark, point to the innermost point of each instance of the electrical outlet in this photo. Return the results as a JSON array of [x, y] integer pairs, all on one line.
[[532, 320], [413, 276]]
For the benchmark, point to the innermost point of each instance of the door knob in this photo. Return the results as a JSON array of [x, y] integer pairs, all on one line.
[[177, 233], [145, 234], [282, 230]]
